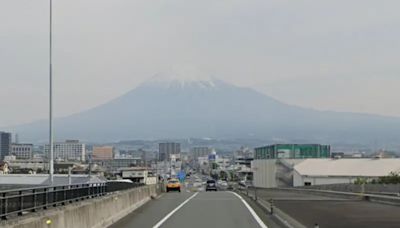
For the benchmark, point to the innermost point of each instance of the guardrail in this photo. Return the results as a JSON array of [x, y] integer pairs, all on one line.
[[270, 208], [21, 201]]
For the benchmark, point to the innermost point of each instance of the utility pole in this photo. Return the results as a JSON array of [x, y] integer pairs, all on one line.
[[51, 162]]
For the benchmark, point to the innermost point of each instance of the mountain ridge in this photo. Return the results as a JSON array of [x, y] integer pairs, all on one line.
[[214, 109]]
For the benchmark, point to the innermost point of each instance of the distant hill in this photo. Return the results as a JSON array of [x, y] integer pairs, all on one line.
[[165, 107]]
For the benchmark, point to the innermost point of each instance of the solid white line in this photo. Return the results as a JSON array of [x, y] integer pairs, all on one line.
[[253, 213], [173, 212]]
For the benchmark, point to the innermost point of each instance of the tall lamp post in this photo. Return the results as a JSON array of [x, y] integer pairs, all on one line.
[[51, 163]]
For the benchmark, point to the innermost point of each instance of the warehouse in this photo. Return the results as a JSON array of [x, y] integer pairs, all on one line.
[[273, 165], [339, 171]]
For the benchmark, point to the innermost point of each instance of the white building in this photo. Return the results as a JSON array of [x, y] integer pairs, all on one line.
[[339, 171], [22, 151], [138, 175], [70, 150], [272, 173], [223, 163]]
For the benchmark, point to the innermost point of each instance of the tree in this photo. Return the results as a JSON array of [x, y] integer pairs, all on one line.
[[392, 178], [360, 181]]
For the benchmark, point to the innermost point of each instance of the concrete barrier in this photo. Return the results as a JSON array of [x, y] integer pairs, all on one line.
[[286, 220], [384, 199], [93, 213]]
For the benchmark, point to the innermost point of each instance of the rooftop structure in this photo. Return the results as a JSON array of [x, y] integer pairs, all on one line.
[[293, 151], [362, 167], [342, 171]]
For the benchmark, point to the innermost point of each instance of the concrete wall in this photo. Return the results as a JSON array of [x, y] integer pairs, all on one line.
[[264, 173], [271, 173], [93, 213]]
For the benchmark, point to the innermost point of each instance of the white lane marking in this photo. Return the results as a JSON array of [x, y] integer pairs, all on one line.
[[173, 212], [252, 212]]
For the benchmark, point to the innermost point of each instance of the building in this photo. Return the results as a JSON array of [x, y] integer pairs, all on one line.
[[223, 163], [103, 153], [4, 168], [342, 171], [293, 151], [243, 157], [70, 150], [272, 173], [5, 144], [200, 152], [168, 148], [138, 175], [28, 166], [22, 151], [112, 166]]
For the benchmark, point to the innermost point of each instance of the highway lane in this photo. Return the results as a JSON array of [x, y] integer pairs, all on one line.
[[213, 209], [152, 212], [203, 209]]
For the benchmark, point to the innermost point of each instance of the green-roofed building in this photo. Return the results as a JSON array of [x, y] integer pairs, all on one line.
[[293, 151]]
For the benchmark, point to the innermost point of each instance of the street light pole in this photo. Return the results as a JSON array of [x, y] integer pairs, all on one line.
[[51, 162]]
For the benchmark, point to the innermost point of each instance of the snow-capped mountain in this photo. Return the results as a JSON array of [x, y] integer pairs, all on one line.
[[173, 106]]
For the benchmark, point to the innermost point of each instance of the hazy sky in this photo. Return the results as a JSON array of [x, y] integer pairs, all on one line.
[[329, 55]]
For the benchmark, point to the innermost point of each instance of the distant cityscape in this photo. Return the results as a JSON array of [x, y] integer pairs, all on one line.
[[166, 158]]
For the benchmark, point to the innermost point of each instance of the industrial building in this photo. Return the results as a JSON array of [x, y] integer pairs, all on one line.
[[272, 173], [342, 171], [293, 151]]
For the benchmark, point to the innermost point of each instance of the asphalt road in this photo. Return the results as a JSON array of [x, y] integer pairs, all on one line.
[[202, 209], [332, 212]]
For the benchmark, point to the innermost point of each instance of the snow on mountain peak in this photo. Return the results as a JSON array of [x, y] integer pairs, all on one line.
[[181, 79]]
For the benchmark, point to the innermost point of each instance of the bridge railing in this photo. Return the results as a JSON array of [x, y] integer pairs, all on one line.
[[21, 201]]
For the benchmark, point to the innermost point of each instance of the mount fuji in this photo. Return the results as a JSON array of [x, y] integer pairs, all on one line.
[[171, 107]]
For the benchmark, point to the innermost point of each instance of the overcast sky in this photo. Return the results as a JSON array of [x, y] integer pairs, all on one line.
[[329, 55]]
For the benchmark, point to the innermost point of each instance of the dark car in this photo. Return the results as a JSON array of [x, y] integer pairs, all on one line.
[[211, 186]]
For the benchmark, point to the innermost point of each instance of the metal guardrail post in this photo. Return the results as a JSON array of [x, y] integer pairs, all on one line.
[[21, 203], [45, 198], [85, 191], [78, 194], [4, 206], [64, 194], [272, 206], [88, 191], [34, 198], [55, 197]]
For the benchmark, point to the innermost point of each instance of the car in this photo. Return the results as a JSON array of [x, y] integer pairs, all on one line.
[[173, 185], [211, 186]]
